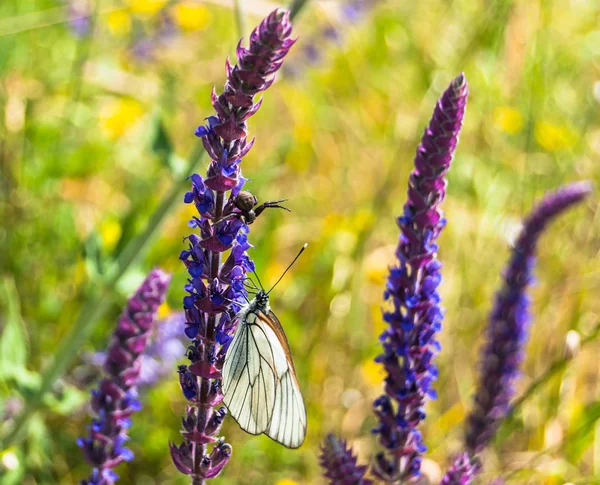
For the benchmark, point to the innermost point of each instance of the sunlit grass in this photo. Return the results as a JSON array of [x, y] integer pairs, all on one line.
[[81, 175]]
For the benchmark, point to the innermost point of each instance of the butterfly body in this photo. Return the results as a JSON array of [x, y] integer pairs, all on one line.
[[260, 386]]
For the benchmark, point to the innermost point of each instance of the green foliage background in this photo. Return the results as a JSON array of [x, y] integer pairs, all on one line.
[[93, 141]]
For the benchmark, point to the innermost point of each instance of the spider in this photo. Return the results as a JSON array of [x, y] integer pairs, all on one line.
[[246, 203]]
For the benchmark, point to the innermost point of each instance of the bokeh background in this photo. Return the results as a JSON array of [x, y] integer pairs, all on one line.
[[96, 138]]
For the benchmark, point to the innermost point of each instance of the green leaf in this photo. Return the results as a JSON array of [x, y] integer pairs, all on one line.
[[39, 450], [67, 400], [14, 345], [92, 253], [161, 143], [580, 440]]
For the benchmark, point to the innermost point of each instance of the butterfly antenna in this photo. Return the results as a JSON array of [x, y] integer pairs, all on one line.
[[287, 269], [258, 279], [250, 280]]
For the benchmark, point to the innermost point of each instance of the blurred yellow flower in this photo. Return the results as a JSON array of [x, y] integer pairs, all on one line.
[[147, 7], [331, 222], [508, 119], [110, 231], [163, 310], [371, 372], [274, 270], [379, 324], [119, 22], [117, 116], [553, 137], [191, 16], [378, 262], [286, 481]]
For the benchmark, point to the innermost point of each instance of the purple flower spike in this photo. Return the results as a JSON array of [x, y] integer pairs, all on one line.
[[339, 463], [415, 315], [462, 471], [224, 136], [508, 325], [215, 284], [115, 400]]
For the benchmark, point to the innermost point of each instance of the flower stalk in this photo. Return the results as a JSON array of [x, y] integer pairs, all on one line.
[[339, 463], [216, 258], [462, 471], [508, 326], [415, 315], [116, 398]]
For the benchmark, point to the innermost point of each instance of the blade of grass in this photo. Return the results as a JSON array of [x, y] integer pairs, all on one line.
[[296, 7], [96, 305], [83, 48], [239, 18], [555, 368], [570, 436]]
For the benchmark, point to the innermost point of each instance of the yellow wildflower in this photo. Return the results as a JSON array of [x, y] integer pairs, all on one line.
[[287, 481], [110, 231], [117, 116], [552, 137], [119, 22], [371, 372], [147, 7], [163, 310], [508, 119], [191, 16]]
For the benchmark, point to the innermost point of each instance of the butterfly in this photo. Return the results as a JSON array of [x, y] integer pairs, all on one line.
[[260, 386]]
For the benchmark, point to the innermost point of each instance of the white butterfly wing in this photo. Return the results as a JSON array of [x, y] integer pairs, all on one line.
[[288, 424], [259, 382], [248, 378]]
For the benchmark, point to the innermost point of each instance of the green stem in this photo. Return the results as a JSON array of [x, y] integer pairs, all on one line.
[[555, 368], [239, 18], [567, 439], [82, 52], [296, 7], [139, 242], [96, 306]]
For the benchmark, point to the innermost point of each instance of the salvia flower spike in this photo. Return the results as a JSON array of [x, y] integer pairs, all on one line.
[[339, 463], [215, 288], [509, 321], [415, 315], [116, 398], [462, 471]]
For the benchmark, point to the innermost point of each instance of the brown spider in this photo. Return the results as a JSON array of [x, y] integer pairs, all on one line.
[[246, 203]]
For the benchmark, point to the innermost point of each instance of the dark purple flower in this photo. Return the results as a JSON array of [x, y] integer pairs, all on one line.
[[462, 471], [508, 325], [415, 316], [215, 290], [116, 398], [339, 463]]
